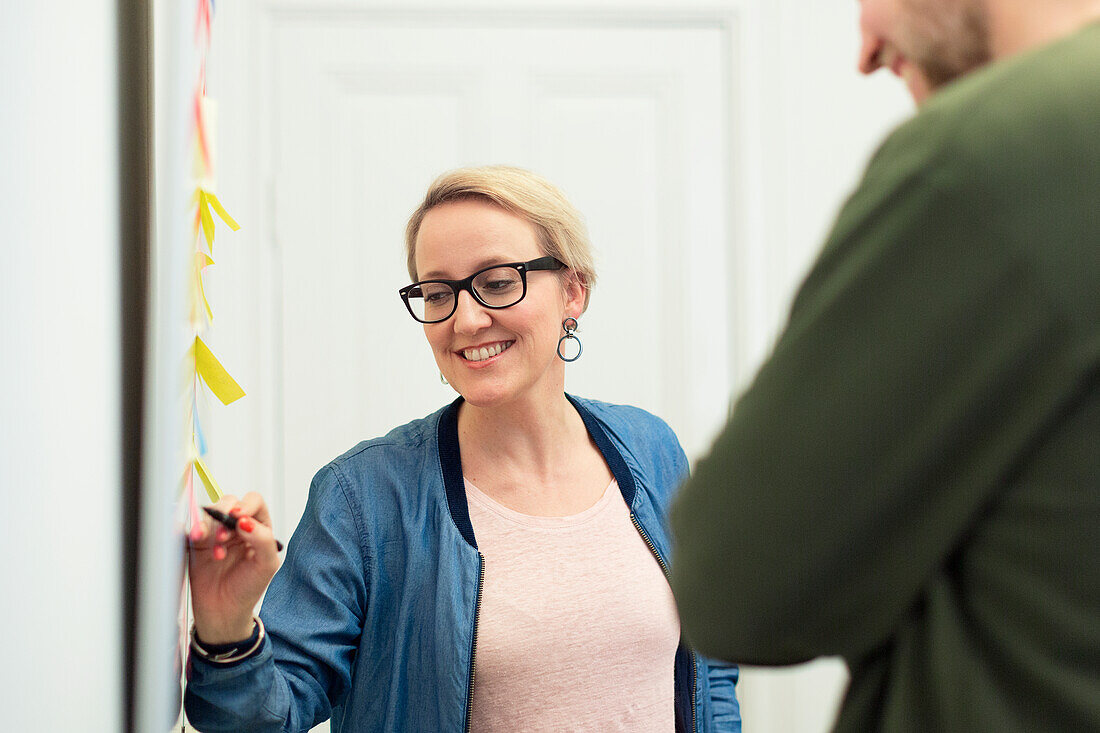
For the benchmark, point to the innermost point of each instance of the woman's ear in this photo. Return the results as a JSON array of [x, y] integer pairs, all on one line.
[[576, 290]]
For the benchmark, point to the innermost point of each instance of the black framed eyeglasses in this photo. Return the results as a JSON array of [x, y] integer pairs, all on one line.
[[497, 286]]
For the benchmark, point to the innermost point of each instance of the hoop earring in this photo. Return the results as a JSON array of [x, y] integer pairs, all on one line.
[[570, 326], [443, 380]]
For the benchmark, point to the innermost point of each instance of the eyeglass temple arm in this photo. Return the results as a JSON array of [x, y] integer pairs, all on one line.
[[545, 263]]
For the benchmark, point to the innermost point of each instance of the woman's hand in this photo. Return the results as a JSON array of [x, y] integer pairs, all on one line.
[[230, 569]]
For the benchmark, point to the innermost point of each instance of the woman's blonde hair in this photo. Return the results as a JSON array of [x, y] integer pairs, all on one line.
[[561, 228]]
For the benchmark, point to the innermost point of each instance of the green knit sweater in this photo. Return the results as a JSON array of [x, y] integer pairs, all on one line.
[[912, 481]]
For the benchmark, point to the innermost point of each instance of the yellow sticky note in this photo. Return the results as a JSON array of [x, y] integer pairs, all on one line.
[[207, 220], [212, 489], [203, 260], [224, 387], [205, 199], [205, 302], [221, 211]]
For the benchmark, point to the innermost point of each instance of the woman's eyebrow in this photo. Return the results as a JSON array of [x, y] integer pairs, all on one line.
[[487, 262]]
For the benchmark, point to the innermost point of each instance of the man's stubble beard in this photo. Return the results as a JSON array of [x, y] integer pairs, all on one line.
[[945, 39]]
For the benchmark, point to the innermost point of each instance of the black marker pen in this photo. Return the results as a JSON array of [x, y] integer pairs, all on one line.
[[230, 522]]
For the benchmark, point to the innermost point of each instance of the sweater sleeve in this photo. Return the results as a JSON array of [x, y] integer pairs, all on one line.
[[313, 612], [915, 366]]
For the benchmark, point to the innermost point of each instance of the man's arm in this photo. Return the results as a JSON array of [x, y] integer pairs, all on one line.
[[915, 366]]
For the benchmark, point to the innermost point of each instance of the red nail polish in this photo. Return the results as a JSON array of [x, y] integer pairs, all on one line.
[[235, 511], [245, 524], [219, 552]]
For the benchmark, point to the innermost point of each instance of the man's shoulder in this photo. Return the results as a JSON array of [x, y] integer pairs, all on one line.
[[1060, 71], [994, 147], [996, 176], [1011, 110]]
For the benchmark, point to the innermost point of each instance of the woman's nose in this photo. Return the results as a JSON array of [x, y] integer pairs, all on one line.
[[470, 316]]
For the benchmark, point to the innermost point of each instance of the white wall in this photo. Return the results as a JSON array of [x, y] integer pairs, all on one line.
[[60, 617], [819, 122]]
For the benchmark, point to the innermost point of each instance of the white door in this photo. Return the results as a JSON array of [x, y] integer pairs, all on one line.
[[631, 122], [335, 117]]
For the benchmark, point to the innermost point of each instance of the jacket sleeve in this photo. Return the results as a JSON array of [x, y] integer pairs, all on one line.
[[919, 360], [313, 612], [725, 710]]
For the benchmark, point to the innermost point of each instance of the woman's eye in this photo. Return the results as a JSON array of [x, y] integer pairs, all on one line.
[[437, 297], [498, 286]]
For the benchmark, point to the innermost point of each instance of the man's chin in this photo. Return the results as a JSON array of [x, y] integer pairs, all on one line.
[[919, 87]]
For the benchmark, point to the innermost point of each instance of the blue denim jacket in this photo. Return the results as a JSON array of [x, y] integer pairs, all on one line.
[[372, 619]]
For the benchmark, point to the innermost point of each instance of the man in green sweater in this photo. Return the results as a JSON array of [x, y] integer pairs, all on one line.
[[912, 481]]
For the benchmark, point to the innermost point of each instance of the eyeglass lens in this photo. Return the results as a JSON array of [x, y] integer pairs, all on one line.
[[499, 287]]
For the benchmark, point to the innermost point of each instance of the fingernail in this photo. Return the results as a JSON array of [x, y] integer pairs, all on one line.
[[235, 511], [223, 535], [245, 524], [219, 552]]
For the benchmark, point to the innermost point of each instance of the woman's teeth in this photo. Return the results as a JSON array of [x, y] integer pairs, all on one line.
[[484, 352]]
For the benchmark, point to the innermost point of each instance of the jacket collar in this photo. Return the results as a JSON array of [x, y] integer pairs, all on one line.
[[450, 460]]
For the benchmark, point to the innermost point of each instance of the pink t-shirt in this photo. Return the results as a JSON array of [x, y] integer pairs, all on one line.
[[578, 627]]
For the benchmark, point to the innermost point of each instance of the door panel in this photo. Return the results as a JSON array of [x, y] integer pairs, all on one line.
[[631, 123]]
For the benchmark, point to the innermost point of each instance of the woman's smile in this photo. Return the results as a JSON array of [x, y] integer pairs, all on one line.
[[484, 352]]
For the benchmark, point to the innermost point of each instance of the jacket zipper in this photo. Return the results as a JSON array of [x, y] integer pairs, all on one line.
[[691, 655], [473, 640]]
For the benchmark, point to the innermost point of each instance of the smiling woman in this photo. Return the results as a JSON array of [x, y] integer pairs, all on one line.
[[495, 354], [517, 533]]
